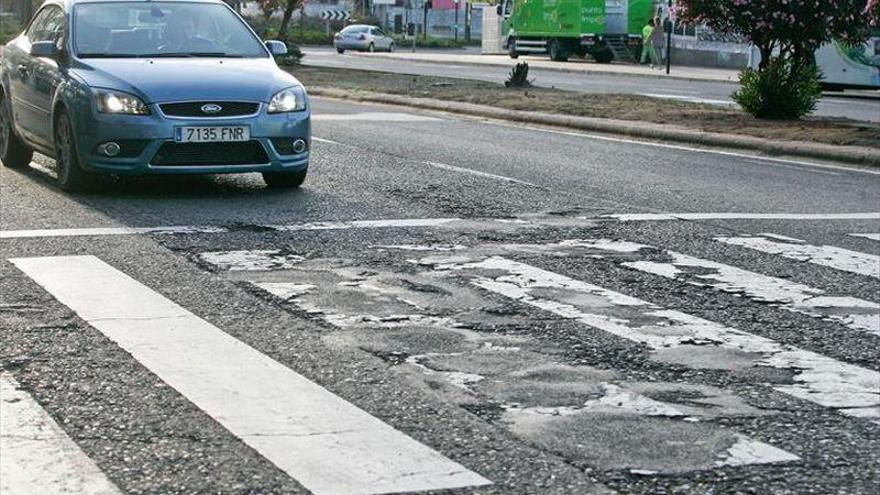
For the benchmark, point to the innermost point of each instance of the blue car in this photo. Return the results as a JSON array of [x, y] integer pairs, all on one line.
[[135, 87]]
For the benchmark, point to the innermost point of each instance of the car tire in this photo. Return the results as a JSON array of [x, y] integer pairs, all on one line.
[[71, 176], [285, 180], [13, 152], [391, 48], [371, 48], [557, 52], [340, 50]]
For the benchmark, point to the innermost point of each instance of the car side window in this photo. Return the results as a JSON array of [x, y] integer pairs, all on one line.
[[47, 26], [35, 30]]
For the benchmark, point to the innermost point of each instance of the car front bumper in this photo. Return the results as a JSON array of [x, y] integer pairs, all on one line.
[[145, 141]]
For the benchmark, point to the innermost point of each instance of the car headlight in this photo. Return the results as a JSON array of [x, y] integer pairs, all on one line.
[[288, 100], [120, 103]]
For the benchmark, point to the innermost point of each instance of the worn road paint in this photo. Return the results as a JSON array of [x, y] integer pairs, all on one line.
[[481, 174], [850, 389], [654, 217], [251, 261], [873, 237], [36, 456], [327, 444], [105, 231], [830, 256], [747, 451], [856, 314]]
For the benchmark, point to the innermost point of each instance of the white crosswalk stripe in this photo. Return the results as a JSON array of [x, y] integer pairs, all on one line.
[[850, 389], [36, 456], [795, 249], [325, 443], [856, 314], [316, 299]]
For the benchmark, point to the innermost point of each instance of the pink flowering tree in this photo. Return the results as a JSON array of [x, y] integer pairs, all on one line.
[[791, 29]]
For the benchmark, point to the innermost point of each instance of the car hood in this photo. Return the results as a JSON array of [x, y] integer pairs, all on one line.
[[161, 80]]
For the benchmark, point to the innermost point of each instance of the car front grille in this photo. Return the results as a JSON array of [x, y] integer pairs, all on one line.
[[194, 109], [201, 154]]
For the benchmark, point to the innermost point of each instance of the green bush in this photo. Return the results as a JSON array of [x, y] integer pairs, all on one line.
[[430, 42], [309, 37], [294, 56], [779, 91]]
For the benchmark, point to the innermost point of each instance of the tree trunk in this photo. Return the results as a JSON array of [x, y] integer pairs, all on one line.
[[285, 20]]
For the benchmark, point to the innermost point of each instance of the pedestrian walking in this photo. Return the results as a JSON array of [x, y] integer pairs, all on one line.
[[648, 50], [658, 40]]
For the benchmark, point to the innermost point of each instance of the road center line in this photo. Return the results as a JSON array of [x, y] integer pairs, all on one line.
[[36, 456], [481, 174], [825, 381], [872, 236], [327, 444]]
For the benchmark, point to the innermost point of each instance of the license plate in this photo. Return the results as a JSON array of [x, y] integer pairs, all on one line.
[[213, 134]]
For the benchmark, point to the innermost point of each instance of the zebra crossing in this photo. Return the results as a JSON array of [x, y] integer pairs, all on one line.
[[461, 320]]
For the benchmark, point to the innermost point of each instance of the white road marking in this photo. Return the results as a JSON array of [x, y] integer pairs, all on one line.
[[366, 224], [104, 231], [747, 451], [481, 174], [854, 313], [677, 147], [375, 117], [36, 456], [850, 389], [830, 256], [327, 444], [259, 260], [328, 141], [873, 237], [655, 217], [615, 399]]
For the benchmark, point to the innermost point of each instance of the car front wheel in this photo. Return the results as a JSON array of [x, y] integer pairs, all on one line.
[[71, 177], [340, 50], [285, 180], [13, 152]]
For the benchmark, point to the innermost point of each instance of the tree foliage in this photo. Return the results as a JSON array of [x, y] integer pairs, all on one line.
[[269, 7], [793, 29]]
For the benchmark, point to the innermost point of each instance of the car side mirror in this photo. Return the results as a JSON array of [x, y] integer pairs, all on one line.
[[45, 49], [276, 48]]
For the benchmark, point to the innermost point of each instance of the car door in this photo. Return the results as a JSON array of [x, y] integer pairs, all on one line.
[[47, 76], [19, 66], [379, 39]]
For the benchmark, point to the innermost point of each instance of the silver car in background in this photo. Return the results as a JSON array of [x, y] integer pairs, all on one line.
[[363, 38]]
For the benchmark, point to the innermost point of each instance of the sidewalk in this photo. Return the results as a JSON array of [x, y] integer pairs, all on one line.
[[573, 66]]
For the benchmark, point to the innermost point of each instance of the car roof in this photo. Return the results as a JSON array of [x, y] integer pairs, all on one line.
[[359, 26], [70, 3]]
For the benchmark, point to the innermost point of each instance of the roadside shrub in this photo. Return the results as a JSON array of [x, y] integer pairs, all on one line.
[[519, 76], [780, 91], [310, 37], [294, 56], [429, 43]]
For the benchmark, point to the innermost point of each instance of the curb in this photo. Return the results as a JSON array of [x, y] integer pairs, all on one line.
[[558, 69], [855, 155]]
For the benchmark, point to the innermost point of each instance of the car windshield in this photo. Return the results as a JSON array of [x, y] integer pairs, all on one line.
[[355, 29], [161, 29]]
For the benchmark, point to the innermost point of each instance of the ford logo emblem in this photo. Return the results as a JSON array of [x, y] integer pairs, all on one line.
[[211, 108]]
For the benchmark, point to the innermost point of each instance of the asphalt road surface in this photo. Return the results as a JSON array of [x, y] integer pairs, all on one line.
[[713, 93], [447, 306]]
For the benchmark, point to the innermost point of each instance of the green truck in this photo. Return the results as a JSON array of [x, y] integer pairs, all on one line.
[[604, 29]]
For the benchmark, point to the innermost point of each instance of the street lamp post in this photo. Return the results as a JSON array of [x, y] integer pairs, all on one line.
[[456, 19], [669, 36]]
